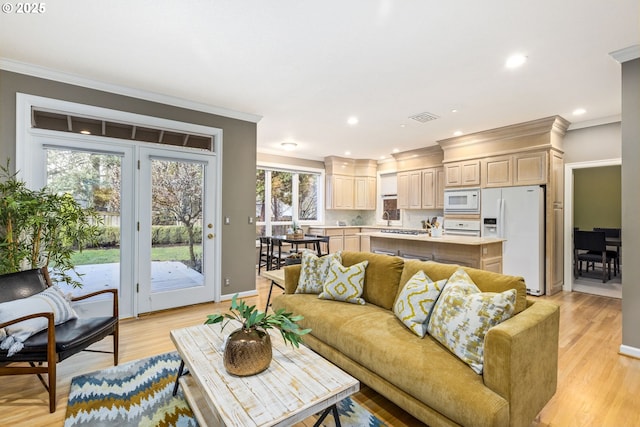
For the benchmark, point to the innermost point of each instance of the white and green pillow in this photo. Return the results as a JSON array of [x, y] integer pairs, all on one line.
[[344, 283], [313, 271], [51, 300], [463, 315], [415, 301]]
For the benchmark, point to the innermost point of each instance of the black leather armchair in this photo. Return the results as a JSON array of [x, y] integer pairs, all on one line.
[[55, 343]]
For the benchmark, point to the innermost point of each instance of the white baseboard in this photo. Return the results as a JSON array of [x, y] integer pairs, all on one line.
[[627, 350], [227, 297]]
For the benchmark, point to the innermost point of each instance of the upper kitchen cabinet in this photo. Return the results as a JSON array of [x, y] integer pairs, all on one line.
[[420, 179], [527, 168], [462, 174], [350, 184]]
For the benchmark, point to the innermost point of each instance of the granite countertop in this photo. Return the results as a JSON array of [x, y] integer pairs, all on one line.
[[458, 240]]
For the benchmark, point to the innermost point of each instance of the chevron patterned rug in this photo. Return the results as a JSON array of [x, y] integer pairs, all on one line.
[[139, 393]]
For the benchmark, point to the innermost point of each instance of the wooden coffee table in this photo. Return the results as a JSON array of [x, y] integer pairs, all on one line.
[[298, 384]]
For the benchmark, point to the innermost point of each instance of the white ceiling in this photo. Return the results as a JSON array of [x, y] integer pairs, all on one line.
[[306, 66]]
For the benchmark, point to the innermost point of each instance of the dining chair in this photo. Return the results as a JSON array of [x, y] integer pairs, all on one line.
[[265, 251], [591, 247], [612, 233]]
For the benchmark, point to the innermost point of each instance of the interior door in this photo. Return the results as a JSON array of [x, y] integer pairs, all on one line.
[[176, 229]]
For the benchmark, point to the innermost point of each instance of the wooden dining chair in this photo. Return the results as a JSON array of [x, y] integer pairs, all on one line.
[[591, 247]]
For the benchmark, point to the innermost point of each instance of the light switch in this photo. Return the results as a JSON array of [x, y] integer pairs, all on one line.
[[250, 220], [227, 220]]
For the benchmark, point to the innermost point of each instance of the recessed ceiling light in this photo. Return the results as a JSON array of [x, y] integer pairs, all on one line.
[[85, 132], [395, 150], [403, 125], [454, 110], [352, 120], [288, 145], [579, 111], [515, 61], [458, 133], [383, 157], [347, 153]]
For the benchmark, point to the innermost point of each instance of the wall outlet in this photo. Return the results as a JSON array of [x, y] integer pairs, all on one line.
[[227, 281]]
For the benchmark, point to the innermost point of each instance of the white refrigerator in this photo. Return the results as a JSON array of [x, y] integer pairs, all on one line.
[[516, 214]]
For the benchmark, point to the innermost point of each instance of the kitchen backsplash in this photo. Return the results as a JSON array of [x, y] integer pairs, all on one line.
[[410, 218]]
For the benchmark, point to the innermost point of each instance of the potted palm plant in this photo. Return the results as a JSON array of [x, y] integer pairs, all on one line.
[[39, 228], [248, 349]]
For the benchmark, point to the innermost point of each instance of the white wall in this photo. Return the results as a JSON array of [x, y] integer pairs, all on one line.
[[593, 143]]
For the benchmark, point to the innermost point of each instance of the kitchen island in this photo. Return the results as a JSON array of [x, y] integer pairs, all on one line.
[[478, 252]]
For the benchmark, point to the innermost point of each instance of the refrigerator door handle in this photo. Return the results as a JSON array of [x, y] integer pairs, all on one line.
[[501, 218]]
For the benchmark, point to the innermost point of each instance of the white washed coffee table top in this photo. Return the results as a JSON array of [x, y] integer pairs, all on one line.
[[297, 384]]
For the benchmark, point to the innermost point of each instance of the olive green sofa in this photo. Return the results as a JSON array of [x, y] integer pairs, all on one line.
[[419, 374]]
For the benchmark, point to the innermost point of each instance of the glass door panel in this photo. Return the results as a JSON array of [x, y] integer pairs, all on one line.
[[94, 181], [174, 231]]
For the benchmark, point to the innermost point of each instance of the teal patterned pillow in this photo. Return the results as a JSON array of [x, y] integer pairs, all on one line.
[[344, 283], [415, 301], [463, 315], [313, 271]]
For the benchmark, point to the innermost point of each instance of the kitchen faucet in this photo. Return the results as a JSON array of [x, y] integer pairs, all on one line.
[[388, 220]]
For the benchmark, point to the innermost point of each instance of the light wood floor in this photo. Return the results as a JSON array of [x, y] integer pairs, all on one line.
[[596, 385]]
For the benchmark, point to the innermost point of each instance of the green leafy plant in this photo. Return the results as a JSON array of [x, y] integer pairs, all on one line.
[[251, 318], [39, 228]]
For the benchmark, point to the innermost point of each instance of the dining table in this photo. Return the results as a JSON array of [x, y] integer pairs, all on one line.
[[296, 242]]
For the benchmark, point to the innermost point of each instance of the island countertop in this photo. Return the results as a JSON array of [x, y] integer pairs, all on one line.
[[423, 237]]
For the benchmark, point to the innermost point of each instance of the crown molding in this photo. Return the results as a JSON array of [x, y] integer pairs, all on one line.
[[73, 79], [626, 54]]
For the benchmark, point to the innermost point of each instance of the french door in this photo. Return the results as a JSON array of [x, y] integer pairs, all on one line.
[[157, 207], [176, 229]]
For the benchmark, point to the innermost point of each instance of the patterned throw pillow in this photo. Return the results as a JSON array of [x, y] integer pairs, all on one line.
[[344, 283], [313, 271], [414, 303], [51, 300], [463, 315]]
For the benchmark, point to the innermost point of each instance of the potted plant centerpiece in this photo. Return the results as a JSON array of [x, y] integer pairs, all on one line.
[[247, 350]]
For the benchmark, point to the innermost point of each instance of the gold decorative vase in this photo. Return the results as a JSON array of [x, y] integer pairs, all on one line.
[[247, 352]]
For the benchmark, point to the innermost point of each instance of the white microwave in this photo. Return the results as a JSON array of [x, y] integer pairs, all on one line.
[[465, 201]]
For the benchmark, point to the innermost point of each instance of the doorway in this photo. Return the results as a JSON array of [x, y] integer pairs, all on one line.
[[587, 283]]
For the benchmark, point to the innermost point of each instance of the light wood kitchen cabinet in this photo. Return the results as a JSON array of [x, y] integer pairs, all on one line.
[[365, 193], [350, 183], [340, 192], [497, 171], [365, 241], [462, 174], [527, 168], [340, 238], [410, 189], [433, 188], [440, 188]]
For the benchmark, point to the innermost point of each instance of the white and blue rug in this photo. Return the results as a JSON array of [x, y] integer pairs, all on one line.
[[140, 394]]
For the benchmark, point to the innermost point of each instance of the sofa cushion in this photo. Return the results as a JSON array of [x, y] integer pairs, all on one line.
[[313, 271], [381, 278], [344, 283], [415, 301], [374, 338], [486, 281], [463, 315]]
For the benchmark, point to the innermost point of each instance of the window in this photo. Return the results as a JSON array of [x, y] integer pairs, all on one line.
[[284, 197]]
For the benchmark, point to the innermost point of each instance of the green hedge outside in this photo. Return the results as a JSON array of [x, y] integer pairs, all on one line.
[[160, 235]]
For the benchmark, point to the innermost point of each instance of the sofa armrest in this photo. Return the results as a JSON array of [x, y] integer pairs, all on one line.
[[521, 360], [291, 278]]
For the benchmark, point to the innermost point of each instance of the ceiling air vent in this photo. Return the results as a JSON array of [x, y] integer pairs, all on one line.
[[423, 117]]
